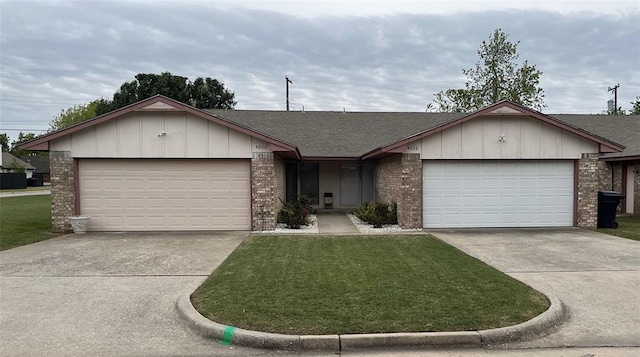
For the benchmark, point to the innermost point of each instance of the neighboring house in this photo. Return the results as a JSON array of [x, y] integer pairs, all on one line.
[[162, 165], [41, 163], [9, 163]]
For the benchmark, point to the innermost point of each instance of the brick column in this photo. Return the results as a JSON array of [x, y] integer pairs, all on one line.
[[399, 179], [593, 175], [410, 216], [63, 194], [267, 185]]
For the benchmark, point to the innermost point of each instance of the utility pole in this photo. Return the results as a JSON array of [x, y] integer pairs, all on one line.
[[287, 81], [615, 97]]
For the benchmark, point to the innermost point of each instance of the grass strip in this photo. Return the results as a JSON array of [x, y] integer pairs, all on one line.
[[24, 220], [361, 284], [628, 227]]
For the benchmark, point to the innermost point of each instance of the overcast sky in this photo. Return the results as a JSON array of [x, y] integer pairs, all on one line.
[[356, 55]]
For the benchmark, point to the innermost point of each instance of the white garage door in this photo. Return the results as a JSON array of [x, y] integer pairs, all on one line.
[[158, 195], [497, 193]]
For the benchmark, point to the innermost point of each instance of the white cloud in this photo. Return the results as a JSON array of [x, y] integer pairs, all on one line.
[[386, 63]]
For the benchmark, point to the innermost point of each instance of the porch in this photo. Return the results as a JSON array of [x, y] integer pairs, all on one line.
[[337, 185]]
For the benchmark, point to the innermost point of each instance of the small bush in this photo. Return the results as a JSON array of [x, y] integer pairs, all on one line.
[[378, 213], [295, 213]]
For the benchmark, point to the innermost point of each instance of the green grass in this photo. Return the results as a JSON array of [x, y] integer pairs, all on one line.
[[24, 220], [361, 284], [628, 227], [29, 189]]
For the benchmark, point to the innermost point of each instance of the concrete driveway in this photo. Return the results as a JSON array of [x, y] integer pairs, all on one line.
[[596, 275], [108, 294]]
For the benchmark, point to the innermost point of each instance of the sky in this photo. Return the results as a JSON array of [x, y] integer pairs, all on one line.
[[340, 55]]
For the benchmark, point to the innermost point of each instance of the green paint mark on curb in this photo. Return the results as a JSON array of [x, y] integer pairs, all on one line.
[[227, 336]]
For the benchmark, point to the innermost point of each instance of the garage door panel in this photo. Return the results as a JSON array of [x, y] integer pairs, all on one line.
[[517, 193], [165, 194]]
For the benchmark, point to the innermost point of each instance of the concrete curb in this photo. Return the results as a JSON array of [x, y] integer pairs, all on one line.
[[555, 315], [208, 328]]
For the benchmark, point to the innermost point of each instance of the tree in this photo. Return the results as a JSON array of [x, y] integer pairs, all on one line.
[[202, 93], [635, 107], [495, 77], [74, 115], [210, 94], [15, 145], [4, 142]]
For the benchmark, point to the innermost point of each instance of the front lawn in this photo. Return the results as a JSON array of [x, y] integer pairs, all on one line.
[[361, 284], [24, 220], [628, 227]]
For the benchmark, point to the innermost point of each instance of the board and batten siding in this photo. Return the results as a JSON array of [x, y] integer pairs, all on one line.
[[523, 138], [159, 135]]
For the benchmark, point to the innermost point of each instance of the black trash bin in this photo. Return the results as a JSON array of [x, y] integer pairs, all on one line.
[[608, 202]]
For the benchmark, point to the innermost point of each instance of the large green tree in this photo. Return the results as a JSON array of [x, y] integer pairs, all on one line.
[[635, 106], [496, 76], [73, 115], [202, 93]]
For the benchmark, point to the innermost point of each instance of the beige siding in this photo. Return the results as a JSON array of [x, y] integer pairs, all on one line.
[[159, 135], [524, 138], [469, 132]]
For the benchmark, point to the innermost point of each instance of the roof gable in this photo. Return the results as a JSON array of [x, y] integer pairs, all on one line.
[[506, 108], [157, 103]]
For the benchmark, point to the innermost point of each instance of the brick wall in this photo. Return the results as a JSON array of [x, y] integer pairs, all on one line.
[[388, 179], [267, 184], [617, 180], [593, 176], [279, 183], [63, 204], [399, 179]]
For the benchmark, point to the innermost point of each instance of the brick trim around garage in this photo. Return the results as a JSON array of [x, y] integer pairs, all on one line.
[[63, 192], [399, 179], [267, 190]]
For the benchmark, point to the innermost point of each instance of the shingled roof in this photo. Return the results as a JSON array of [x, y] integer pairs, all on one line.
[[336, 134], [353, 134], [622, 129]]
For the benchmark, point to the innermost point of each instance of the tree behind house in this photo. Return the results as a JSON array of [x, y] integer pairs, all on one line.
[[495, 77], [202, 93]]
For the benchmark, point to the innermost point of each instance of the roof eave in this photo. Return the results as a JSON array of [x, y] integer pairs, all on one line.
[[622, 158]]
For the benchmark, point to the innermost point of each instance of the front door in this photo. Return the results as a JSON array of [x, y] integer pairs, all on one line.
[[349, 185]]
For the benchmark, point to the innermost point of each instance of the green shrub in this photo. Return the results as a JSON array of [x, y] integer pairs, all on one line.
[[295, 213], [378, 213]]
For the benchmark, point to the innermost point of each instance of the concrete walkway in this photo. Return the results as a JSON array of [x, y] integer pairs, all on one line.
[[335, 223]]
